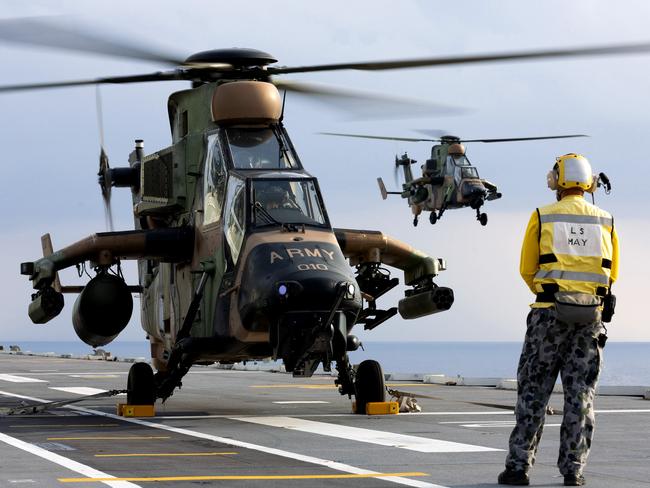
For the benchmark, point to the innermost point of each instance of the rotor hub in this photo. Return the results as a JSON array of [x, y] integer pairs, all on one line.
[[450, 139], [236, 57]]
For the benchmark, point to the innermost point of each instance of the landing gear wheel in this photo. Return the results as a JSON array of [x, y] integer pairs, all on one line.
[[415, 222], [433, 218], [140, 386], [368, 385], [483, 219]]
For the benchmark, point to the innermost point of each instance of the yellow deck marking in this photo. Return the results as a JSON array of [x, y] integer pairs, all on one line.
[[248, 477], [323, 387], [169, 454], [93, 376], [304, 387], [124, 438]]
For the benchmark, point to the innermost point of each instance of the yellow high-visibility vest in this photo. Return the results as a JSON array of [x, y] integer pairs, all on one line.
[[576, 249]]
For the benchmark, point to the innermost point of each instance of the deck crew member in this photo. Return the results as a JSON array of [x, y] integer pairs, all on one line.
[[569, 259]]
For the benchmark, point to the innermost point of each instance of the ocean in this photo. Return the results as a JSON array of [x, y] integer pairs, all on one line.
[[625, 363]]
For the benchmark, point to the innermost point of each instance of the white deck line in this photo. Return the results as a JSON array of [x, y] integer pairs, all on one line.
[[78, 390], [382, 438], [623, 410], [300, 402], [345, 468], [65, 462], [326, 415], [19, 379]]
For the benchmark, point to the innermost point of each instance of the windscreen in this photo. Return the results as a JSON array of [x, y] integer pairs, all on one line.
[[460, 160], [460, 167], [469, 172], [261, 149], [277, 202]]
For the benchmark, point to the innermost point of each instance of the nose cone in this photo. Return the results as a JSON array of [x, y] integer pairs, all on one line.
[[474, 190], [280, 279]]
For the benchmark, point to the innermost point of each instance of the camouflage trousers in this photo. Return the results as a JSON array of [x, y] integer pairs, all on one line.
[[573, 351]]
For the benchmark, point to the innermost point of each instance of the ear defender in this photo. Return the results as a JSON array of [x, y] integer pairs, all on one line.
[[594, 184], [551, 179]]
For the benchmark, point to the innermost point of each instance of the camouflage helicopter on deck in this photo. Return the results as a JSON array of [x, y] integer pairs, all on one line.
[[237, 258], [449, 180]]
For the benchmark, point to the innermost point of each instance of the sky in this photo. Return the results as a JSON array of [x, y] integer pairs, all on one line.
[[49, 139]]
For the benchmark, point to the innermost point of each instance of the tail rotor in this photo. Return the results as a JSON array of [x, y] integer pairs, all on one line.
[[104, 172], [396, 172]]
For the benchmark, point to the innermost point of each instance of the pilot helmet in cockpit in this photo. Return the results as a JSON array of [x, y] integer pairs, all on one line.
[[271, 196]]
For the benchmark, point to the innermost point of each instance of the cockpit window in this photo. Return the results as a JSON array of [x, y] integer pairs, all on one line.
[[460, 160], [469, 172], [459, 166], [286, 202], [262, 149], [214, 182], [235, 216]]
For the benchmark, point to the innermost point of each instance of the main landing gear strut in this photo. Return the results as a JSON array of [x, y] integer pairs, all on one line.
[[481, 217], [435, 216], [365, 382], [140, 385]]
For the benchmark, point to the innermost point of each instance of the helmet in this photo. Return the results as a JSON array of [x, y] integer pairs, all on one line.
[[571, 171], [271, 196]]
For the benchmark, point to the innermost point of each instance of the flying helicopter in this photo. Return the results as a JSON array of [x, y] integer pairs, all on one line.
[[237, 258], [449, 180]]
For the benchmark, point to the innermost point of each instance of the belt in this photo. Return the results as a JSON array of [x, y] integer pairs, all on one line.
[[552, 258], [550, 289]]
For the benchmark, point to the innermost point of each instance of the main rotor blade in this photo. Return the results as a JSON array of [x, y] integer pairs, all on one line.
[[40, 31], [437, 133], [415, 139], [475, 58], [385, 138], [367, 105], [514, 139], [158, 76]]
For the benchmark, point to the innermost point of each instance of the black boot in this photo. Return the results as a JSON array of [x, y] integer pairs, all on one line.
[[513, 477], [574, 480]]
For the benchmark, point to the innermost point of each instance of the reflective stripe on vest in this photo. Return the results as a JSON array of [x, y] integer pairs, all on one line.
[[557, 274], [575, 248], [576, 219]]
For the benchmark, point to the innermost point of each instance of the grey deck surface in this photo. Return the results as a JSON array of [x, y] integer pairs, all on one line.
[[227, 424]]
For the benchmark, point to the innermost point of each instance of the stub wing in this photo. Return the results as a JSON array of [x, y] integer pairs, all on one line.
[[493, 193], [103, 250], [368, 250]]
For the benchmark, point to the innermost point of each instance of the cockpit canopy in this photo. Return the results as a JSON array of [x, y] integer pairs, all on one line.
[[459, 166], [256, 203], [286, 201], [263, 148]]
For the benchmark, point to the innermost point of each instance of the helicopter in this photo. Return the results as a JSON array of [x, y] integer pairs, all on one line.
[[449, 180], [237, 257]]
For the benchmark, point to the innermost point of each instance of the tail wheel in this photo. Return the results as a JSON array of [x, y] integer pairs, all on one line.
[[140, 386], [368, 385], [483, 219], [433, 218]]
